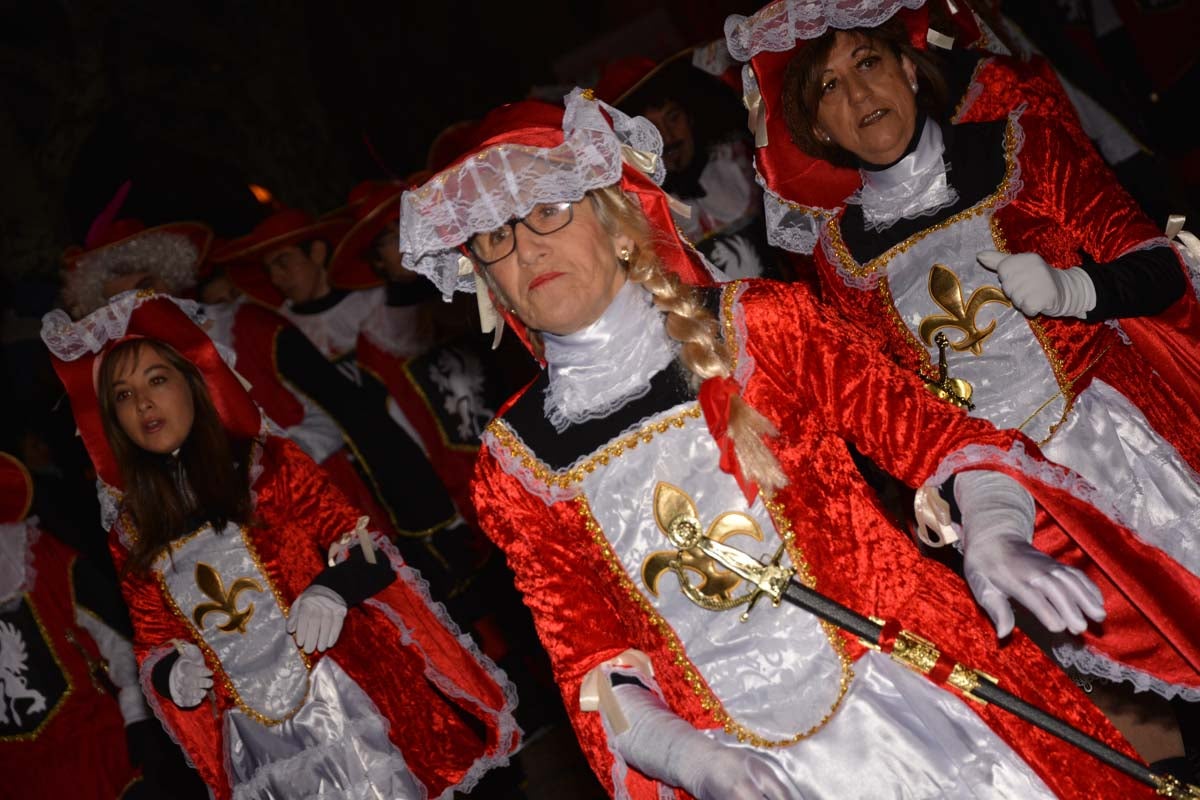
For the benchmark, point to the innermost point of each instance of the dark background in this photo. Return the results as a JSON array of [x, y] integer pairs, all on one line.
[[192, 101]]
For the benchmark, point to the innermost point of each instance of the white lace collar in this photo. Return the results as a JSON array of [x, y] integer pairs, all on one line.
[[915, 185], [599, 369]]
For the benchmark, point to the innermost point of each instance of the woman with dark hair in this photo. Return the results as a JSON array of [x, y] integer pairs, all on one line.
[[261, 604], [675, 415], [998, 260]]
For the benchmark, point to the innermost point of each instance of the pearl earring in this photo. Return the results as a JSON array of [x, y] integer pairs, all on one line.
[[913, 86], [624, 255]]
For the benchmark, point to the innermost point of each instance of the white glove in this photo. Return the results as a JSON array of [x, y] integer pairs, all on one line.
[[315, 620], [190, 678], [1000, 564], [1035, 287], [662, 745]]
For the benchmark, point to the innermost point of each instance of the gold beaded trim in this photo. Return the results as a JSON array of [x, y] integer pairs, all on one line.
[[1065, 383], [861, 270], [889, 306], [728, 296], [62, 699], [615, 449], [213, 659], [708, 701]]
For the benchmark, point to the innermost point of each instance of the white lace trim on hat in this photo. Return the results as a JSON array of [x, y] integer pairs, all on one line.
[[776, 27], [507, 180]]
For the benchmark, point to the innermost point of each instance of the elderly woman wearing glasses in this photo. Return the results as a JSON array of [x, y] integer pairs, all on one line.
[[670, 407]]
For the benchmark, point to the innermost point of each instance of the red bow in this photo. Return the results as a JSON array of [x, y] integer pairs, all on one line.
[[715, 397]]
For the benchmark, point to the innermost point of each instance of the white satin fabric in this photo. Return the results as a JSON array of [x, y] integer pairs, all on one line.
[[597, 370], [1013, 380], [337, 746], [899, 736], [895, 734], [263, 663], [1108, 440], [334, 331], [777, 673], [913, 186]]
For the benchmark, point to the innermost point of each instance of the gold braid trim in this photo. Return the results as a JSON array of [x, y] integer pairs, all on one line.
[[708, 701], [70, 685], [210, 655], [982, 207], [613, 450]]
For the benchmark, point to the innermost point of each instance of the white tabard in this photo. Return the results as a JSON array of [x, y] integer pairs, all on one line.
[[894, 734]]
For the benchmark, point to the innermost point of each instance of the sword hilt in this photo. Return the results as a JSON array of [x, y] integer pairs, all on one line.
[[771, 578]]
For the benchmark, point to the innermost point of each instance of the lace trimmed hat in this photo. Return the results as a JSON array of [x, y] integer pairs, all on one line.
[[77, 349], [529, 153]]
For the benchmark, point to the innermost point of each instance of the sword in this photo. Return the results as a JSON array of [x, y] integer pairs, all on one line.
[[777, 581]]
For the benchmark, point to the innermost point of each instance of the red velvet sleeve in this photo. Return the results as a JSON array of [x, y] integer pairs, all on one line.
[[578, 623], [845, 384], [1065, 184]]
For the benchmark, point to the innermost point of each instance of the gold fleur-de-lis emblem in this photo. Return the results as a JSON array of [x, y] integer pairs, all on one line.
[[676, 516], [209, 581], [946, 291]]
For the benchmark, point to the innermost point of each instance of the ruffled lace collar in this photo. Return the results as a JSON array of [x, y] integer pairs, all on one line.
[[597, 370], [915, 185]]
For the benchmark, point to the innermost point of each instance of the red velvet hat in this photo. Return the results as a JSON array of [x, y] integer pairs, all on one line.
[[243, 257], [77, 347], [373, 205], [16, 490], [173, 252]]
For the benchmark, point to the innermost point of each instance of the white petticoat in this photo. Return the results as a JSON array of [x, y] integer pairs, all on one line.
[[336, 746]]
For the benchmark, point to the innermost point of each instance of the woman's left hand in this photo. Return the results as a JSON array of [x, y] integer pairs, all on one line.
[[315, 620]]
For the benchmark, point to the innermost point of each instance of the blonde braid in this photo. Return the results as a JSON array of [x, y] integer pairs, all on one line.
[[695, 328]]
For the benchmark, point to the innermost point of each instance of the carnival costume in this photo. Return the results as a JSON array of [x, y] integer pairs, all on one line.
[[61, 659], [394, 483], [585, 472], [278, 722], [1115, 402]]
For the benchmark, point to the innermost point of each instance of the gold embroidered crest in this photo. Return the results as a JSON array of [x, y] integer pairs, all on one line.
[[209, 581], [946, 291]]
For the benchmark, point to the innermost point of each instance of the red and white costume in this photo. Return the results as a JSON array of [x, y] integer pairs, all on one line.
[[568, 487], [62, 734], [1082, 390], [280, 723]]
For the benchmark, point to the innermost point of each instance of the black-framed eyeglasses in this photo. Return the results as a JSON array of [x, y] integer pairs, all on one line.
[[498, 244]]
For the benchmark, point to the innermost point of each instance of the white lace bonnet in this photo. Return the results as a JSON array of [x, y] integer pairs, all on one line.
[[506, 177]]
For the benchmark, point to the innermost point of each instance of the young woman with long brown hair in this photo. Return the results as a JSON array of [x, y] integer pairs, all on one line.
[[262, 604]]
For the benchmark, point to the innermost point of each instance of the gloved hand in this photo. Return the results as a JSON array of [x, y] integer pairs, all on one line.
[[1001, 564], [315, 620], [190, 677], [1035, 287], [664, 746]]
